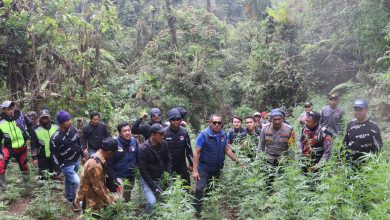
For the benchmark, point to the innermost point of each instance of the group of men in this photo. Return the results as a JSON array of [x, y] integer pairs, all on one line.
[[110, 163]]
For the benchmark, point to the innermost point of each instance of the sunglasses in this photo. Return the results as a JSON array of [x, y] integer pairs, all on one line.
[[175, 119], [217, 122], [307, 106]]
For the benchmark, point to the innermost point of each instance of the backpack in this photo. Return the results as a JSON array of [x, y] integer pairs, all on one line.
[[111, 183]]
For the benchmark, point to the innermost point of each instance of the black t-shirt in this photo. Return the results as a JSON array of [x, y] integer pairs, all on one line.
[[362, 138]]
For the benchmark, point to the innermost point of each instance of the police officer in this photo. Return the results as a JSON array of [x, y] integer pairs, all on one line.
[[179, 145], [14, 128], [40, 142], [144, 129]]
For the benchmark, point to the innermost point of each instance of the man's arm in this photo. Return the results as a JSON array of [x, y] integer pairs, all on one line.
[[230, 154], [189, 152], [1, 146], [377, 138], [328, 144], [54, 152], [261, 145], [137, 128], [34, 146], [195, 161]]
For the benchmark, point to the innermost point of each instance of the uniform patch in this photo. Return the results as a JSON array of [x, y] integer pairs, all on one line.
[[182, 138]]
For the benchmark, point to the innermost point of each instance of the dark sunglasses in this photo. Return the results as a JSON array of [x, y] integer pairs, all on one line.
[[175, 119], [307, 106], [217, 122]]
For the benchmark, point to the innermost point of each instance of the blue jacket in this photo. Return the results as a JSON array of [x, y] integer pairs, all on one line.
[[212, 154], [125, 159]]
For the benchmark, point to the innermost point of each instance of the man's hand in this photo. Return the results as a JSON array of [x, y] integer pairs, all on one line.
[[144, 115], [58, 177], [313, 169], [190, 168], [35, 163], [195, 175]]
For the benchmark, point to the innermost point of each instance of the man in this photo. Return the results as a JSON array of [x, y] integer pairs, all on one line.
[[179, 146], [40, 143], [237, 131], [92, 190], [209, 157], [250, 138], [155, 116], [303, 117], [13, 137], [315, 143], [276, 139], [153, 160], [93, 134], [332, 116], [125, 159], [183, 115], [257, 118], [65, 153], [363, 135]]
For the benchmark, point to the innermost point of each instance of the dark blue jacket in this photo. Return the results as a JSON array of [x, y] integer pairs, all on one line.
[[212, 154], [125, 159]]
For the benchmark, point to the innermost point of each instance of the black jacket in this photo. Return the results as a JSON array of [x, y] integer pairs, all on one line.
[[179, 144], [65, 148], [153, 161], [144, 129], [94, 135]]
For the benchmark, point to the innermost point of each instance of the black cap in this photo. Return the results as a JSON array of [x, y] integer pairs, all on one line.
[[44, 113], [157, 128], [360, 103], [109, 144], [173, 113], [183, 112]]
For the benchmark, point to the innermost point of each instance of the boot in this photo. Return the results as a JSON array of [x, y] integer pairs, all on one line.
[[2, 182]]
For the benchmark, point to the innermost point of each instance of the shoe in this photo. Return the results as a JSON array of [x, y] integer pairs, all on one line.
[[76, 208]]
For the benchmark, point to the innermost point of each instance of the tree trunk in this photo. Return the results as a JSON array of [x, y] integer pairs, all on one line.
[[172, 24], [208, 5]]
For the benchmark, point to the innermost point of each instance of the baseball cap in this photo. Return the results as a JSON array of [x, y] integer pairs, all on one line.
[[109, 144], [257, 114], [276, 112], [44, 113], [157, 128], [155, 111], [333, 95], [7, 104], [360, 103]]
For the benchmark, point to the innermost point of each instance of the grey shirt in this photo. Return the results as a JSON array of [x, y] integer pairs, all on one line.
[[332, 119]]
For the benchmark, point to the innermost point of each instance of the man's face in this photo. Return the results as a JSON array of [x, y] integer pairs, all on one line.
[[332, 102], [158, 137], [9, 112], [156, 118], [175, 123], [216, 123], [95, 120], [44, 120], [360, 113], [125, 133], [308, 108], [277, 121], [66, 125], [250, 124], [236, 123], [310, 123], [257, 118]]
